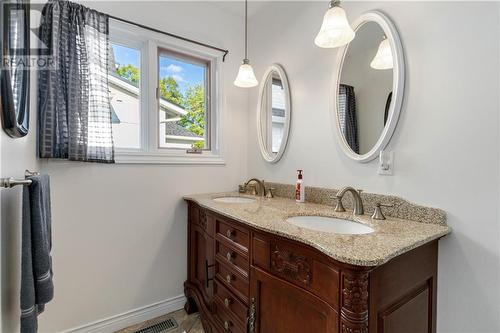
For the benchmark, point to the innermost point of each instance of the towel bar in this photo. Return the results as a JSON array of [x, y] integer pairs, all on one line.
[[11, 182]]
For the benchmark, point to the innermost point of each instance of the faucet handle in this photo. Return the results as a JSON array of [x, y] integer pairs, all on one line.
[[377, 212], [269, 193], [339, 207], [253, 189], [242, 188]]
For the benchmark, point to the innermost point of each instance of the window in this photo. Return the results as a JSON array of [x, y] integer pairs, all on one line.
[[278, 115], [183, 106], [124, 79], [164, 98]]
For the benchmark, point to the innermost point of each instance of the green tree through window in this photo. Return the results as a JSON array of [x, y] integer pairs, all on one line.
[[193, 101], [169, 89], [194, 120], [129, 72]]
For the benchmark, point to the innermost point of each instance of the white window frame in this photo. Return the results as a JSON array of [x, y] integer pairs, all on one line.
[[150, 153]]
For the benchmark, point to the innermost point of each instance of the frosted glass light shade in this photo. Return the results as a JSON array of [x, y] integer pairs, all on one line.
[[383, 58], [246, 77], [335, 30]]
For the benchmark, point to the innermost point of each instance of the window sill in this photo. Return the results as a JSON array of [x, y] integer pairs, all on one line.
[[168, 158]]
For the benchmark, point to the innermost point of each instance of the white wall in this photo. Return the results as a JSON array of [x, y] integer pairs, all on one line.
[[119, 231], [446, 143]]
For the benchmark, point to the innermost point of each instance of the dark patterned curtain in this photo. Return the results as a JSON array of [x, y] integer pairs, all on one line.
[[347, 116], [74, 110]]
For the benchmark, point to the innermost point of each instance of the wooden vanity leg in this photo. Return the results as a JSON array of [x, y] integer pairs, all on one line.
[[354, 300], [190, 306]]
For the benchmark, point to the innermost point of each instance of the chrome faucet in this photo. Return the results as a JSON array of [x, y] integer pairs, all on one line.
[[262, 190], [357, 202]]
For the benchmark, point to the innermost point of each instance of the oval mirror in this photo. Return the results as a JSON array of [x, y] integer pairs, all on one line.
[[369, 87], [14, 74], [273, 114]]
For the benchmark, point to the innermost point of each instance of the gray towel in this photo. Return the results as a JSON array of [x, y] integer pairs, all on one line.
[[37, 288]]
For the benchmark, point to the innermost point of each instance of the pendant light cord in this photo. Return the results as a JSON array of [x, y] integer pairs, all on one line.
[[246, 29]]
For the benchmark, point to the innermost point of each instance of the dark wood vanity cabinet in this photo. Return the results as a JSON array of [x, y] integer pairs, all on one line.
[[246, 280]]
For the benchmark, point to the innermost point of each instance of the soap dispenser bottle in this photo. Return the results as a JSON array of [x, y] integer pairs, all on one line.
[[299, 188]]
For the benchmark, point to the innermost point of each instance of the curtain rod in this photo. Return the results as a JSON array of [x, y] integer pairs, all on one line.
[[172, 35]]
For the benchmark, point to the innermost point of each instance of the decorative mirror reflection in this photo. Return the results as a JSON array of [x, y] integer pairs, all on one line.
[[14, 73], [369, 87], [273, 114]]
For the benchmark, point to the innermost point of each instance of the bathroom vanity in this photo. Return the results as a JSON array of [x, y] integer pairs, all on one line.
[[249, 270], [270, 265]]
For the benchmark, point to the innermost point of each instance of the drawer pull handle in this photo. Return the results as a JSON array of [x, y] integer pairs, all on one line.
[[207, 279], [226, 325], [227, 301], [229, 256], [229, 278], [229, 233]]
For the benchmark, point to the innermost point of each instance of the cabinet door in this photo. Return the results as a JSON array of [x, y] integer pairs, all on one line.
[[202, 261], [281, 307]]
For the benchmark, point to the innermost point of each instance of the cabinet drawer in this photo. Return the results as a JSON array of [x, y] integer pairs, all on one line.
[[300, 266], [233, 258], [235, 235], [230, 302], [233, 280], [226, 320]]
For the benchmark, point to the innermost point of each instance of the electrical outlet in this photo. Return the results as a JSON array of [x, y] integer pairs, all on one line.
[[386, 163]]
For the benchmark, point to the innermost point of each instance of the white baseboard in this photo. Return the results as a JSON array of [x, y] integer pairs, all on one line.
[[131, 317]]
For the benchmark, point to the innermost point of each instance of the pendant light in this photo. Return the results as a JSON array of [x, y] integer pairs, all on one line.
[[383, 58], [335, 30], [246, 77]]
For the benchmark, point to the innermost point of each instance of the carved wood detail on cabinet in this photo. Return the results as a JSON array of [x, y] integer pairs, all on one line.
[[355, 293], [291, 265], [203, 220], [346, 329], [236, 272], [354, 311]]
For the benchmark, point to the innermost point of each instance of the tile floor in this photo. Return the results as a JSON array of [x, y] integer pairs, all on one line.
[[187, 323]]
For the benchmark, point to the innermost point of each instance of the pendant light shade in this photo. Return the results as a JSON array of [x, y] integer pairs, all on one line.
[[335, 30], [246, 77], [383, 58]]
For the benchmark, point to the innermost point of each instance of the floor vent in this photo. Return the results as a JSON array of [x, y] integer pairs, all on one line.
[[159, 326]]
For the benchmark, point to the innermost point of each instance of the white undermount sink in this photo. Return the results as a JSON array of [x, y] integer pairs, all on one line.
[[330, 224], [238, 200]]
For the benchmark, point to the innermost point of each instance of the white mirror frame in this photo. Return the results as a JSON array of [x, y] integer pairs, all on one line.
[[269, 156], [398, 86]]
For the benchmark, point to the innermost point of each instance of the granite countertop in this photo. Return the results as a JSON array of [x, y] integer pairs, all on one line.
[[392, 237]]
